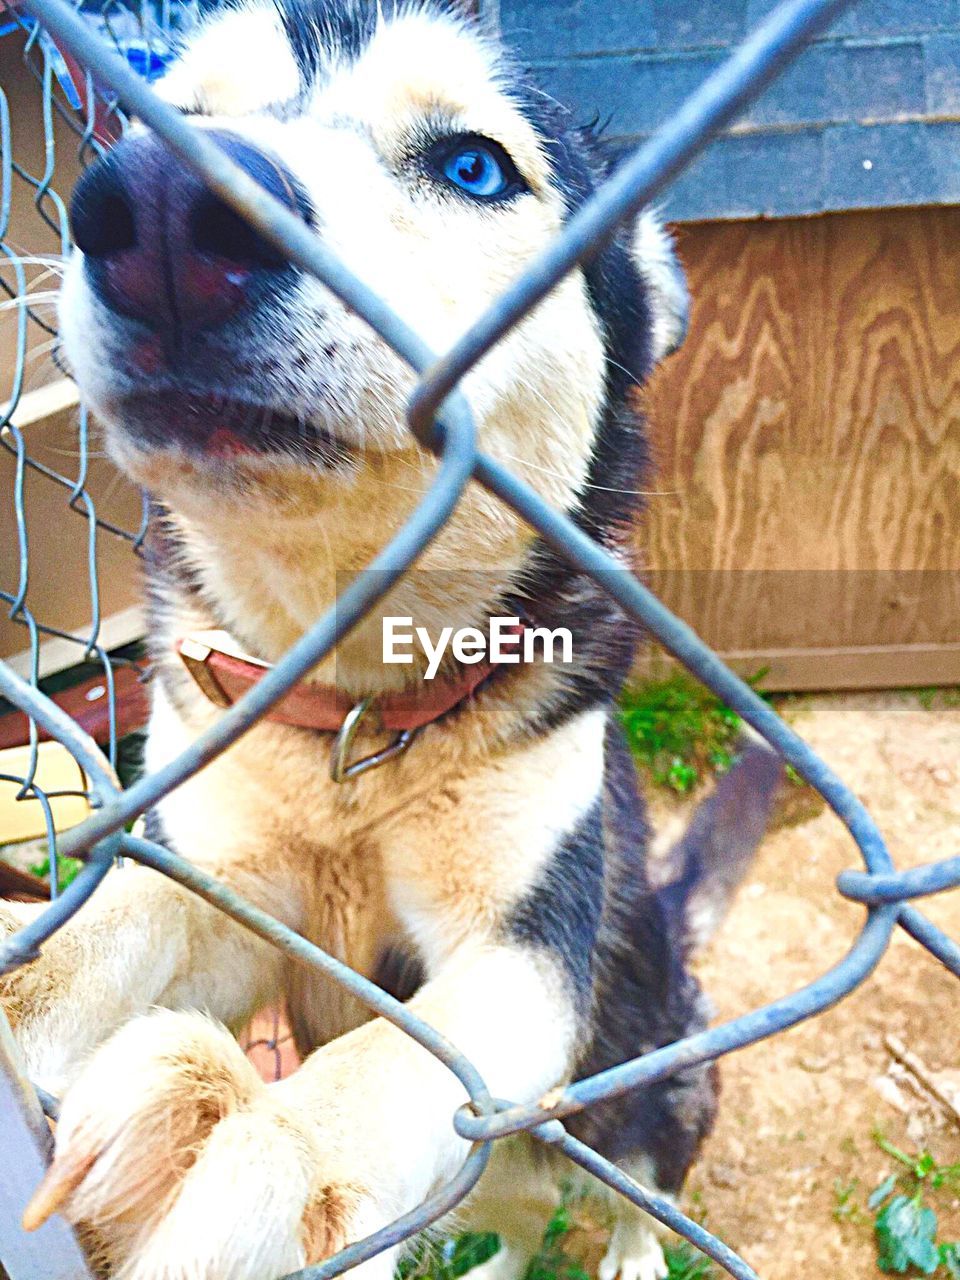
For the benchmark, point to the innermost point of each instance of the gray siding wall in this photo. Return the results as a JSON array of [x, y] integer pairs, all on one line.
[[869, 116]]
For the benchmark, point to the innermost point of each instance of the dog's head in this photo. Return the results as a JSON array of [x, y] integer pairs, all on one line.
[[407, 140]]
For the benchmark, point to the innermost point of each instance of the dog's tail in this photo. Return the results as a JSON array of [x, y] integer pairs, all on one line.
[[702, 872]]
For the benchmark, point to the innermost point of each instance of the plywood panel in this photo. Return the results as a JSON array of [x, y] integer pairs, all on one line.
[[808, 434]]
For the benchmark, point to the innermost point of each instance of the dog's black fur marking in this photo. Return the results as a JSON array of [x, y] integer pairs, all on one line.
[[562, 911], [554, 593], [170, 580], [707, 866], [154, 830], [400, 972], [315, 26], [643, 998]]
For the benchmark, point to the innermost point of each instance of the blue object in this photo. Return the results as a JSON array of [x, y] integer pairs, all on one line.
[[147, 62], [477, 171], [148, 59]]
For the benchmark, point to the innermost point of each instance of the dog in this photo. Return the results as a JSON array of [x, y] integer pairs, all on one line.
[[493, 869]]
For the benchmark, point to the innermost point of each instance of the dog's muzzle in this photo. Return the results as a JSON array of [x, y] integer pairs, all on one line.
[[161, 249]]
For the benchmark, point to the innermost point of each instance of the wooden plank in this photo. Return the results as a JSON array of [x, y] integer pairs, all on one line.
[[21, 886], [807, 439], [28, 231], [59, 775], [819, 670], [88, 704], [773, 609], [117, 630], [37, 406], [52, 1253]]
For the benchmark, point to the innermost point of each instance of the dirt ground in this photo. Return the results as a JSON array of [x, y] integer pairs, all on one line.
[[798, 1112]]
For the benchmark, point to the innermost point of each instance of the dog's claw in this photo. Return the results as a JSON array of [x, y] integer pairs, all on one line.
[[58, 1185]]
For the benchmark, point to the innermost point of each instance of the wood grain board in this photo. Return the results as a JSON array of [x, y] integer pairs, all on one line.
[[807, 438]]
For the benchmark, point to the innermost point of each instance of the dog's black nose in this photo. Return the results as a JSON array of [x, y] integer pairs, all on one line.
[[160, 248]]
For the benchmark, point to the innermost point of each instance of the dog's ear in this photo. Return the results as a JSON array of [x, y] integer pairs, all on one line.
[[661, 271]]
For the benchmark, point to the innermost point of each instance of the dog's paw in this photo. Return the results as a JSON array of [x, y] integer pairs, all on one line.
[[176, 1164], [635, 1253]]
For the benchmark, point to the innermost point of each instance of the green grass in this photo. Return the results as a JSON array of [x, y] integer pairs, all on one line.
[[933, 697], [680, 733], [451, 1259], [846, 1207], [553, 1261], [686, 1263], [455, 1258], [67, 869], [447, 1259], [903, 1213], [129, 769]]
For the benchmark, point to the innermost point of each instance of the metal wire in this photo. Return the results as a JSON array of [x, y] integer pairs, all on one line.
[[440, 419]]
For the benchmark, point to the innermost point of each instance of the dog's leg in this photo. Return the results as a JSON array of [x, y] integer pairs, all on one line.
[[519, 1194], [141, 941], [182, 1166], [516, 1198], [498, 877]]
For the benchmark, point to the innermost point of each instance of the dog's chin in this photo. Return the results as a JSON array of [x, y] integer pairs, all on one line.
[[185, 449], [217, 431]]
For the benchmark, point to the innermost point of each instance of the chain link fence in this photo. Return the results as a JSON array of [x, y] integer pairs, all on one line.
[[123, 47]]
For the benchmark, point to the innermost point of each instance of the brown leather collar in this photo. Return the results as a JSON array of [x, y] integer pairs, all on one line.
[[224, 674]]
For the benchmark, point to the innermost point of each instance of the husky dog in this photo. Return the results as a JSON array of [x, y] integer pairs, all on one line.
[[494, 872]]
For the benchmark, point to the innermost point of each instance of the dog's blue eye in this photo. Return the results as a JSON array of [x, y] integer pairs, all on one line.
[[477, 171], [477, 166]]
